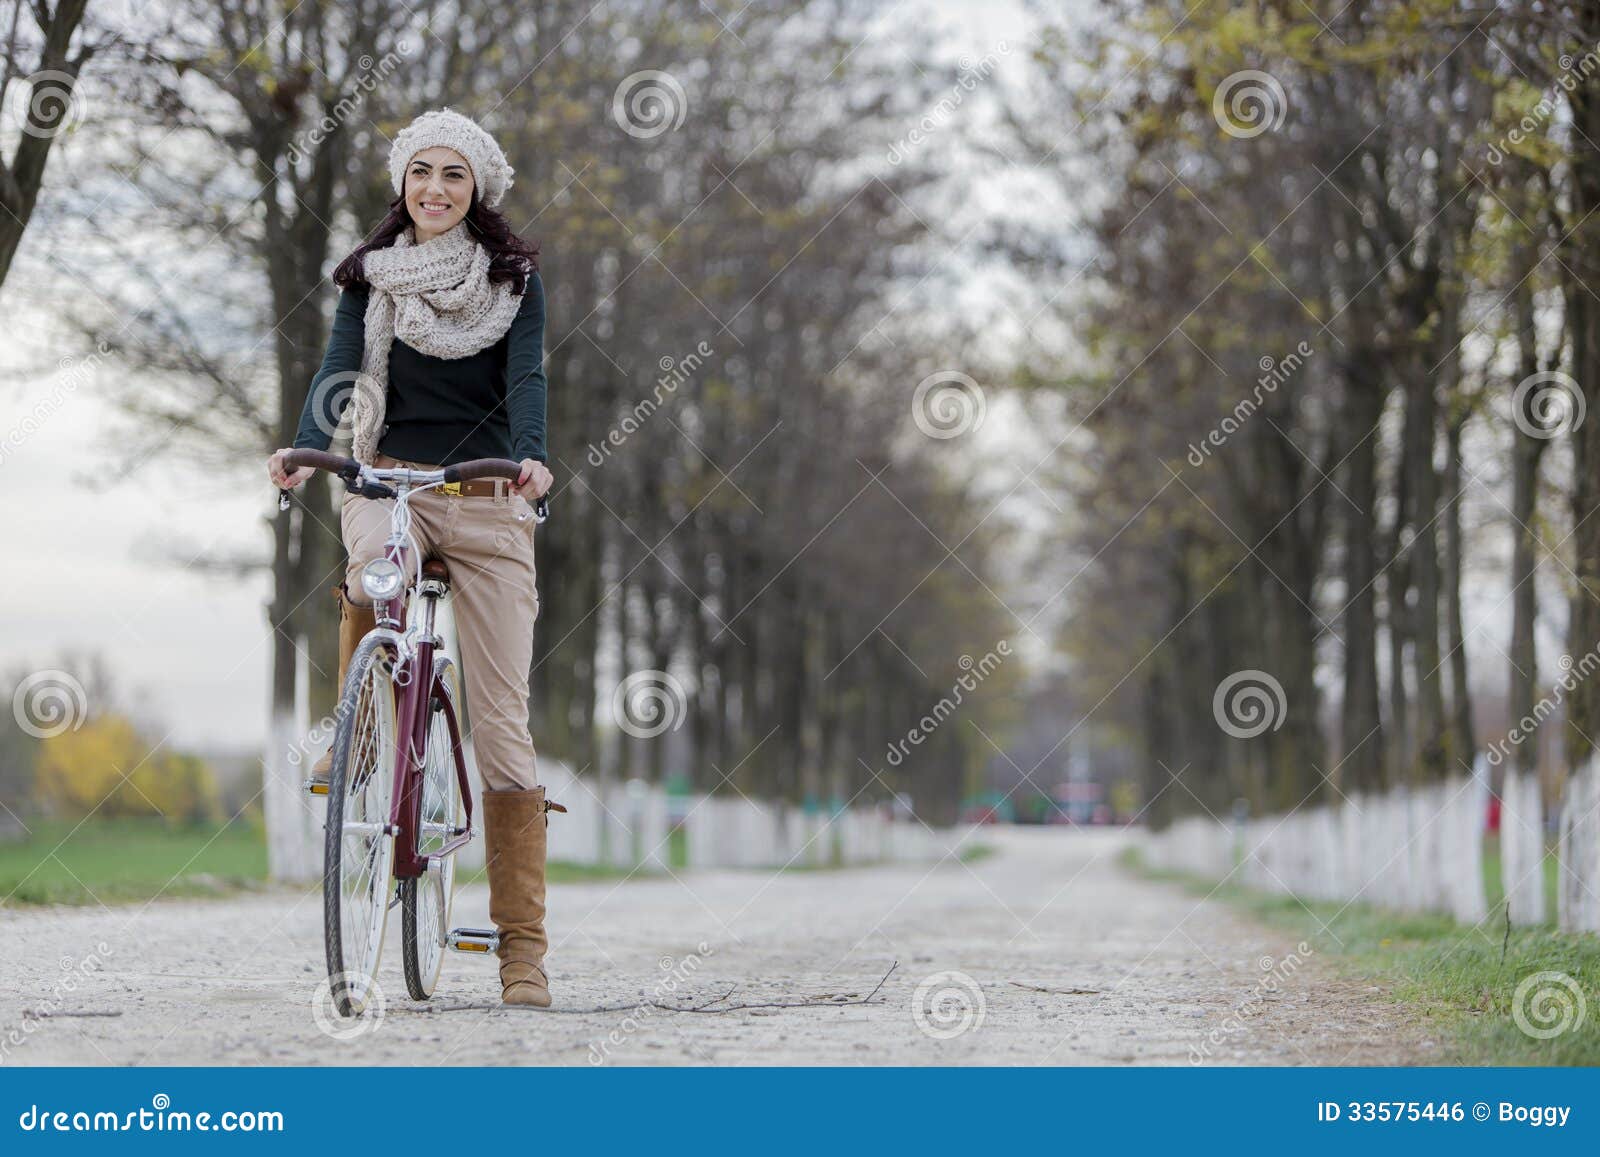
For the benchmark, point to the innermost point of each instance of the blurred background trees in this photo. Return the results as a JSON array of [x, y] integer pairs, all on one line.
[[1343, 339], [1292, 394], [716, 211]]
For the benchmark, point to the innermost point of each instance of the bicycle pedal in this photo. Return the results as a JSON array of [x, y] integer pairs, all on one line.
[[483, 941], [316, 787]]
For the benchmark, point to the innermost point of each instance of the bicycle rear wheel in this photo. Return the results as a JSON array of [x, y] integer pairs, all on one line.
[[425, 901], [358, 849]]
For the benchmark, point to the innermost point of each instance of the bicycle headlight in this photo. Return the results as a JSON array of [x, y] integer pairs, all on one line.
[[382, 579]]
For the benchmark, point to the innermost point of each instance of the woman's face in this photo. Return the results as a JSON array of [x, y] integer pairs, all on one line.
[[438, 190]]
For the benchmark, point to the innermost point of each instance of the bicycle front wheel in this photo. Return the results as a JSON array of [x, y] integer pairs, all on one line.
[[358, 849], [425, 901]]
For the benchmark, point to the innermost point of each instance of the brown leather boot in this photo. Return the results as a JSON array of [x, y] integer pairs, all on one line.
[[354, 622], [514, 828]]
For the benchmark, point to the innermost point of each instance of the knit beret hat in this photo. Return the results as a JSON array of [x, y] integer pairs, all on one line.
[[490, 171]]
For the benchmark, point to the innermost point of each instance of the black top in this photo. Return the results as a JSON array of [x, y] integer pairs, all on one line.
[[442, 410]]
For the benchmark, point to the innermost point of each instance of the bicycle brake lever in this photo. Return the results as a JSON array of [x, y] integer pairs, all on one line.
[[369, 489], [283, 500], [541, 509]]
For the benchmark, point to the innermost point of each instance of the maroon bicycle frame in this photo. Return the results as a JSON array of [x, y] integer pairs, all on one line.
[[412, 713], [413, 697]]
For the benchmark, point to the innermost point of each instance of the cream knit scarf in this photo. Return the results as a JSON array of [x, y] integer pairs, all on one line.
[[436, 297]]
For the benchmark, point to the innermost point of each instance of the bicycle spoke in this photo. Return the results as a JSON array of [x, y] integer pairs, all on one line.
[[361, 841]]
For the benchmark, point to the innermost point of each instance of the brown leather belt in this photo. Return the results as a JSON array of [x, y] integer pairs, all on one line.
[[477, 488]]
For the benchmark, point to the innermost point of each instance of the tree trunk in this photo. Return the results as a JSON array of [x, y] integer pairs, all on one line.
[[1361, 749], [21, 179]]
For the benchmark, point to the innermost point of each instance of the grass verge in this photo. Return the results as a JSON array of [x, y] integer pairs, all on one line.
[[1463, 979], [125, 861], [122, 860]]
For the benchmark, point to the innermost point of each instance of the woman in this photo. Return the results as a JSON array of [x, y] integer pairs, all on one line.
[[441, 326]]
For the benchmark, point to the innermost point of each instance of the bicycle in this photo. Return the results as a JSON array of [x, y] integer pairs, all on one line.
[[399, 797]]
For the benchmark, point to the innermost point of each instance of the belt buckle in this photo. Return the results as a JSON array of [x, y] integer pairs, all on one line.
[[451, 488]]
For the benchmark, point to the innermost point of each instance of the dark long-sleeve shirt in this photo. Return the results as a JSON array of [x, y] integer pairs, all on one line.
[[443, 410]]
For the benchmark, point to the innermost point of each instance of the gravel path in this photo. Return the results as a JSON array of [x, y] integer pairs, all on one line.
[[1068, 959]]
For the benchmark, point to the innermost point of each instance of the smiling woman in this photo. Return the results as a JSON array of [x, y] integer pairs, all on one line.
[[438, 191], [437, 353]]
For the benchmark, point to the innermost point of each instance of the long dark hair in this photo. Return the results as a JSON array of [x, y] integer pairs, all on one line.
[[510, 257]]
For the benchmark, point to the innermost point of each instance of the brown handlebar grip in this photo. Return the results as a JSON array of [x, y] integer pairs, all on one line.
[[483, 468], [322, 460]]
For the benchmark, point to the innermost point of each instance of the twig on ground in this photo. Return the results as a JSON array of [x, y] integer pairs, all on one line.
[[1058, 991], [708, 1007], [46, 1014], [434, 1007]]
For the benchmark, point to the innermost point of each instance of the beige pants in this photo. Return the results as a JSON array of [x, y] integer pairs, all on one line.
[[487, 542]]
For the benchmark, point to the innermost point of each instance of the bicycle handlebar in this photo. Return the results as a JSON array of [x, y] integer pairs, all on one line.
[[350, 470], [483, 468], [346, 468]]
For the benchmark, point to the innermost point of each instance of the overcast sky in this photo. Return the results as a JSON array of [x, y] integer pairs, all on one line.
[[101, 558], [101, 561]]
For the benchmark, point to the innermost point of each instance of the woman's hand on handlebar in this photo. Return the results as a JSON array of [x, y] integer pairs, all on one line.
[[534, 481], [286, 479]]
